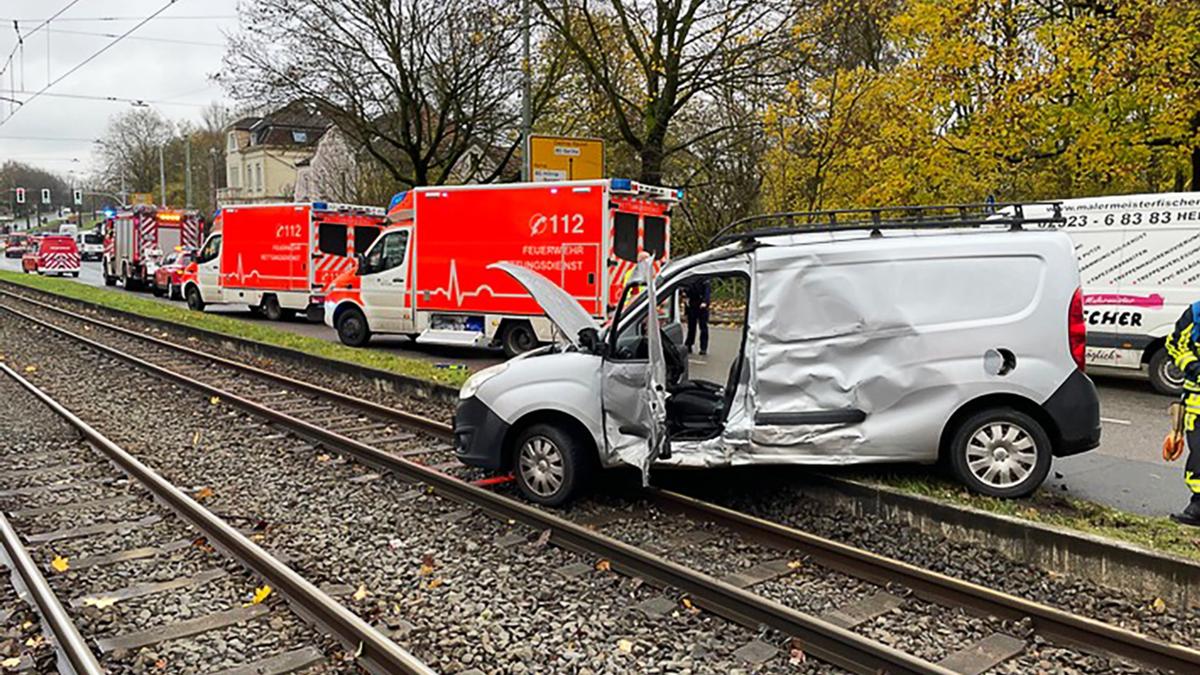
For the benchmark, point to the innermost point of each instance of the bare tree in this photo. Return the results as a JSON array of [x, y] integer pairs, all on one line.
[[416, 84], [129, 149], [651, 59]]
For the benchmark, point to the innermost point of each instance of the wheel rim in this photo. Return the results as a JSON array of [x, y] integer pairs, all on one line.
[[1001, 454], [541, 466], [1170, 374], [520, 339]]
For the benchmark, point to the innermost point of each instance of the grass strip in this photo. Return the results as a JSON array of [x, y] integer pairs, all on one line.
[[127, 302], [1049, 507]]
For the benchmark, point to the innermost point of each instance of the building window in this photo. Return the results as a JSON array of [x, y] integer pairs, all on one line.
[[233, 141], [300, 136], [258, 181], [235, 178]]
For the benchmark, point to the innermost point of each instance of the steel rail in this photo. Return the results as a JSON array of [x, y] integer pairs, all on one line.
[[821, 639], [69, 644], [1048, 621], [376, 653], [415, 421]]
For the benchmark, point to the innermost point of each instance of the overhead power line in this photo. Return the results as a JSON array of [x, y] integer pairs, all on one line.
[[172, 41], [123, 18], [86, 61], [21, 36], [116, 99]]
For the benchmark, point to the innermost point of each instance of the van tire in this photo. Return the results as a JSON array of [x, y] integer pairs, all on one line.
[[973, 437], [156, 290], [270, 308], [1164, 376], [110, 281], [564, 462], [518, 338], [352, 328], [194, 301]]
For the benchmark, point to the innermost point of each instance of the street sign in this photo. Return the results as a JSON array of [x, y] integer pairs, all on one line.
[[141, 199], [20, 195], [564, 158], [77, 196], [45, 195]]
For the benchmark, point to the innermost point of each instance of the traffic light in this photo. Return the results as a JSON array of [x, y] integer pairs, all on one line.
[[20, 195], [77, 196], [45, 195]]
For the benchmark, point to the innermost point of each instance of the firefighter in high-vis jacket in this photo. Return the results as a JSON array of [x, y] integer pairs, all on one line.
[[1183, 344]]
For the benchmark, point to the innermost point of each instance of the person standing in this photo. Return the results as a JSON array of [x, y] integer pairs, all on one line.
[[1183, 349], [699, 297]]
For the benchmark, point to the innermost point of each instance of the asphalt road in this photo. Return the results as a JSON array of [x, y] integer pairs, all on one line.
[[1125, 472]]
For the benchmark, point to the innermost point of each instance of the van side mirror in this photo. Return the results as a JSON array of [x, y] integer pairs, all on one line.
[[589, 339]]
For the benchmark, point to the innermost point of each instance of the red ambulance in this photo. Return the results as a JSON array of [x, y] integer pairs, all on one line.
[[52, 254], [277, 258], [427, 275], [136, 241]]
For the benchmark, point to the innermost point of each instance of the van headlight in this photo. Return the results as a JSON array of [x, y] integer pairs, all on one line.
[[476, 381]]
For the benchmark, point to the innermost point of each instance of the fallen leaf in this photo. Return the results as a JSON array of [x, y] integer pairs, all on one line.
[[543, 538], [687, 603], [1159, 605], [603, 565], [434, 583], [202, 544], [361, 592], [99, 603], [260, 594], [161, 664], [625, 645], [196, 439], [215, 400], [35, 642], [796, 657], [203, 493], [30, 369], [322, 458], [795, 564], [11, 663], [60, 564]]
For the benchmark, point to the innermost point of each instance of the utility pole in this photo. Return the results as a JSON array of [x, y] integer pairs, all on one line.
[[526, 89], [162, 174], [212, 178], [187, 171]]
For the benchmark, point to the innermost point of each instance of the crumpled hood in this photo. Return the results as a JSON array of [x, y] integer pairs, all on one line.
[[568, 315]]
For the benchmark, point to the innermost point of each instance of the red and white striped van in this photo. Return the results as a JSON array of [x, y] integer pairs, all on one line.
[[53, 254]]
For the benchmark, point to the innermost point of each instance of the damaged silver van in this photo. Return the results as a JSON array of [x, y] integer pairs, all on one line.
[[940, 334]]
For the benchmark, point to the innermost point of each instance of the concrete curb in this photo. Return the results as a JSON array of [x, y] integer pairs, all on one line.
[[1105, 561], [380, 379]]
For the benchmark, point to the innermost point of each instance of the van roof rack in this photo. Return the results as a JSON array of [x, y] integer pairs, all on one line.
[[876, 219]]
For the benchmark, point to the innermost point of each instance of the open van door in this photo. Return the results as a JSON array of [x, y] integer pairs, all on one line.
[[633, 389], [633, 384]]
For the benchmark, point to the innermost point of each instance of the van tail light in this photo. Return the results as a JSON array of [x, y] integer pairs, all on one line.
[[1077, 330]]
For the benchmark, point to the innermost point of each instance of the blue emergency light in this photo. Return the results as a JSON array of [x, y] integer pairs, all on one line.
[[396, 199], [621, 184]]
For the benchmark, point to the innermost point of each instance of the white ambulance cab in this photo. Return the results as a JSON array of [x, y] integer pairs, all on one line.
[[1139, 259]]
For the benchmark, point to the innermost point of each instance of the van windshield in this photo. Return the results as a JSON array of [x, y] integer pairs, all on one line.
[[93, 239]]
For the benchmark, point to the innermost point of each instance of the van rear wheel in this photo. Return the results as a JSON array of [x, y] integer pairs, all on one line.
[[1165, 377], [270, 308], [352, 328], [1001, 452], [550, 464]]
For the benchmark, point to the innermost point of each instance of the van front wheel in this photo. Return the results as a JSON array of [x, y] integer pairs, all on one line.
[[352, 328], [194, 301], [550, 465], [1001, 452], [518, 338]]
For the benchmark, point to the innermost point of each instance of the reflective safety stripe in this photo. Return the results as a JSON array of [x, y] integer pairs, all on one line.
[[1192, 483]]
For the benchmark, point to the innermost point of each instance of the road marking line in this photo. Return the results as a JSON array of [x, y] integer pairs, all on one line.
[[1110, 420]]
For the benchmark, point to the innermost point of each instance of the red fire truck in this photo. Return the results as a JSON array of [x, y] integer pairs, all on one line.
[[427, 276], [277, 258], [136, 240], [52, 254]]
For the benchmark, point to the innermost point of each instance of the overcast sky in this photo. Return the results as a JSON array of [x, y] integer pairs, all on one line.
[[138, 67]]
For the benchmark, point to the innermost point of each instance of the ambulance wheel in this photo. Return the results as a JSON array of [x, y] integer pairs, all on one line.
[[270, 308], [156, 290], [1164, 375], [518, 338], [172, 291], [75, 274], [1000, 452], [550, 464], [352, 328], [110, 281], [194, 301]]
